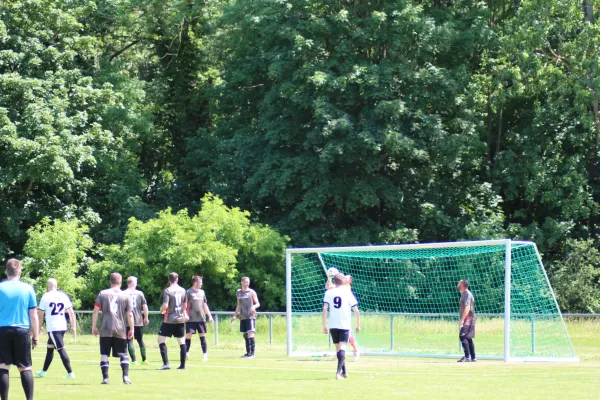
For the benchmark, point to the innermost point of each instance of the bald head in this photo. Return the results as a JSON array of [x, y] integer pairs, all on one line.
[[52, 284]]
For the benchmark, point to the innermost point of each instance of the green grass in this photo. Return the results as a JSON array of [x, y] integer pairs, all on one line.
[[274, 376]]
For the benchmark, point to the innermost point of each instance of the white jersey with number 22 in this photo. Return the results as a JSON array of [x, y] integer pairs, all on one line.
[[340, 302], [55, 304]]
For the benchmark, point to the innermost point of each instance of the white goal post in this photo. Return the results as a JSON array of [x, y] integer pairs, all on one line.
[[409, 302]]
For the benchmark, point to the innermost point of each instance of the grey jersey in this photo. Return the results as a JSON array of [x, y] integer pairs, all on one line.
[[196, 301], [467, 299], [175, 296], [139, 300], [115, 305], [245, 301]]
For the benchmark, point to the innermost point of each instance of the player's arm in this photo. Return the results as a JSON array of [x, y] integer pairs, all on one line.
[[130, 323], [464, 315], [357, 316], [329, 284], [95, 319], [184, 307], [146, 320], [237, 311], [207, 312], [165, 305], [73, 320], [255, 302], [325, 308], [40, 314], [34, 326]]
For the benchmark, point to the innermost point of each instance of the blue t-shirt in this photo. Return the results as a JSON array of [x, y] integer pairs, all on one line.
[[16, 299]]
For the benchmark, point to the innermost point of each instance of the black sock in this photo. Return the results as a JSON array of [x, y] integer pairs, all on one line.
[[27, 382], [65, 359], [4, 384], [131, 349], [247, 344], [142, 349], [341, 360], [163, 353], [49, 357], [182, 353], [203, 344], [465, 345], [188, 344], [344, 367], [472, 349], [104, 368], [125, 366], [252, 345]]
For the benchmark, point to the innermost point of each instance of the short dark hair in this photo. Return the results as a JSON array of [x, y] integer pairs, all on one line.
[[13, 266], [196, 278], [173, 276], [465, 283], [116, 278]]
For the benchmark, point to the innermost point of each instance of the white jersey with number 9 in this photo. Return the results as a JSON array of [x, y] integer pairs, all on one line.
[[55, 304], [340, 302]]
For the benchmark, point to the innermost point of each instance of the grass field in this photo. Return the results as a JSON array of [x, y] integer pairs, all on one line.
[[274, 376]]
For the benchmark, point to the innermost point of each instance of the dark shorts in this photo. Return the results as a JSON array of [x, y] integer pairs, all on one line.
[[247, 325], [467, 331], [170, 330], [193, 327], [15, 347], [138, 333], [56, 339], [117, 345], [339, 335]]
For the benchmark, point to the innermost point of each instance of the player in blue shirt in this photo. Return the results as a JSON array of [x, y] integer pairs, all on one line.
[[18, 317]]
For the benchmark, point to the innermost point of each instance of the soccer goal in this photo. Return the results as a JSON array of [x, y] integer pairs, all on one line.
[[409, 301]]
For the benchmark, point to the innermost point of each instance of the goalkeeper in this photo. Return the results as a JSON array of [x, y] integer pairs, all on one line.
[[466, 322]]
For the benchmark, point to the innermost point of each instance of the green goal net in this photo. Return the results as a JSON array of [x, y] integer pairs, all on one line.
[[409, 301]]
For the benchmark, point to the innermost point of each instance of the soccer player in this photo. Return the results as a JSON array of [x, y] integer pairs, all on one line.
[[247, 303], [117, 314], [55, 304], [174, 309], [348, 286], [466, 322], [341, 302], [197, 310], [18, 317], [140, 318]]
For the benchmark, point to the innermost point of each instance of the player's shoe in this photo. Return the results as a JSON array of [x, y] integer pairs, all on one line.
[[245, 356], [135, 363], [126, 380], [345, 376], [41, 374], [474, 359], [251, 356], [181, 367], [104, 381], [145, 362], [164, 367], [205, 357], [70, 376], [356, 355], [339, 377], [464, 359]]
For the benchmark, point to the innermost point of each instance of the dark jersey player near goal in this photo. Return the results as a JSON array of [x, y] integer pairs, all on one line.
[[466, 322], [247, 303], [174, 309], [117, 315], [198, 311], [140, 318], [18, 317], [340, 302]]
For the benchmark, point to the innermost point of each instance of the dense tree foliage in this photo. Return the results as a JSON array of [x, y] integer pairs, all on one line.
[[334, 122]]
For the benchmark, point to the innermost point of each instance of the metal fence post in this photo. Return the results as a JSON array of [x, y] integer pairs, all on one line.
[[216, 329], [392, 332], [532, 335], [270, 328]]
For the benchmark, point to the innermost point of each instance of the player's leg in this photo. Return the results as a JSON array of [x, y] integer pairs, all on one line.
[[5, 362], [131, 348], [49, 356], [180, 336], [203, 344], [138, 334], [190, 329], [340, 347], [244, 332], [472, 350], [119, 349], [4, 368], [59, 345], [465, 344], [166, 330], [22, 359], [105, 347], [354, 345], [251, 337]]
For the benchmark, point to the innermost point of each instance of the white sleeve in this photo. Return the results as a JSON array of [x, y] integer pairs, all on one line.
[[68, 303], [327, 298], [43, 303]]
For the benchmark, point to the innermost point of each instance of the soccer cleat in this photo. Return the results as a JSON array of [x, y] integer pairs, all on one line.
[[126, 380], [251, 356], [339, 377], [41, 374], [474, 359], [245, 356], [104, 381], [70, 376], [205, 358], [145, 363], [135, 363], [164, 367], [181, 367], [345, 376], [464, 359]]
